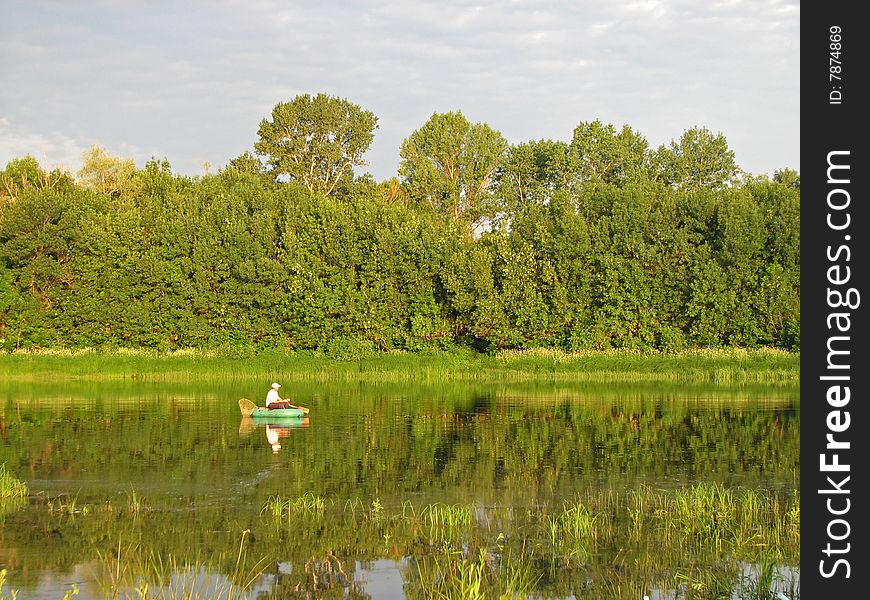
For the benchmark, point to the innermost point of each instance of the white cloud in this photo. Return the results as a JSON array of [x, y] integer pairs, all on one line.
[[52, 150], [194, 79]]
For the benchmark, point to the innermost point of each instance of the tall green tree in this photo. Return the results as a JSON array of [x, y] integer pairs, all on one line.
[[788, 177], [533, 171], [246, 163], [25, 173], [605, 155], [316, 140], [700, 159], [450, 165], [105, 173]]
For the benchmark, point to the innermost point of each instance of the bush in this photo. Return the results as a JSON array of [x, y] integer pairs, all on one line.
[[349, 348]]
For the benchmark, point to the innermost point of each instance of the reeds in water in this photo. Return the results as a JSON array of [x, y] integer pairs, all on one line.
[[3, 595], [306, 506], [470, 575], [136, 574], [449, 523], [574, 531], [697, 540], [10, 486]]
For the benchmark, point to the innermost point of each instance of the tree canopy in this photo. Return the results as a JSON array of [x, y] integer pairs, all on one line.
[[450, 165], [316, 141], [605, 155], [599, 242], [699, 159], [104, 173]]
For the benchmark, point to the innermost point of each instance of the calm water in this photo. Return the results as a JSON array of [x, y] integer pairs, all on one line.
[[128, 476]]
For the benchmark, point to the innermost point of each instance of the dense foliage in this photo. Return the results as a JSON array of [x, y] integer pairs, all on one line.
[[598, 243]]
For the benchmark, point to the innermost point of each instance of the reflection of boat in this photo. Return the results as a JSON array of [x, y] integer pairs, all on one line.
[[275, 428], [284, 425], [282, 428]]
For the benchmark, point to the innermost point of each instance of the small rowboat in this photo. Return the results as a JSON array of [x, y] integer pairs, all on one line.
[[278, 413], [249, 409]]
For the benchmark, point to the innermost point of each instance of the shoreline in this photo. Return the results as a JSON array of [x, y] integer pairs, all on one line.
[[732, 366]]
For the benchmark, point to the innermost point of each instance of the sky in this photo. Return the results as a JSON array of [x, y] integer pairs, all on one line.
[[190, 81]]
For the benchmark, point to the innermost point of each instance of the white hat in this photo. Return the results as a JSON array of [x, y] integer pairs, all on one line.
[[276, 385]]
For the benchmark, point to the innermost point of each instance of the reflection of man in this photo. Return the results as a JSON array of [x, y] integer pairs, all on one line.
[[272, 436], [274, 400]]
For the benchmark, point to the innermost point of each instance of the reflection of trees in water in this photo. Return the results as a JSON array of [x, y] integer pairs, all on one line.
[[527, 452], [319, 577], [508, 457], [444, 447]]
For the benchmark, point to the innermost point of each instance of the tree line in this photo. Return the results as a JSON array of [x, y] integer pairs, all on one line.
[[600, 242]]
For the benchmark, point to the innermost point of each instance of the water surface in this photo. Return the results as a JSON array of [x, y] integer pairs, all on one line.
[[121, 473]]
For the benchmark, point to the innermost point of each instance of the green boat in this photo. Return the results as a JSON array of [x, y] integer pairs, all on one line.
[[249, 409], [279, 413]]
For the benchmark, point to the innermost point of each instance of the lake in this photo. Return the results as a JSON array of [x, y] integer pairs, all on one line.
[[400, 491]]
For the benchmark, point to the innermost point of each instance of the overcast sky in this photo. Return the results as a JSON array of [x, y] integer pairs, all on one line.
[[189, 81]]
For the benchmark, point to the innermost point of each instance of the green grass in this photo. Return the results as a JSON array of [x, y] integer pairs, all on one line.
[[10, 487], [466, 575], [308, 506], [131, 572], [716, 366], [574, 531], [447, 522], [3, 595]]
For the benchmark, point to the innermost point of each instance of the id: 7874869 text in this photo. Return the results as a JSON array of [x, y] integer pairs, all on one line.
[[835, 64]]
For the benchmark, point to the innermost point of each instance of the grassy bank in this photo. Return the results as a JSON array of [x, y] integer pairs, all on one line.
[[720, 365]]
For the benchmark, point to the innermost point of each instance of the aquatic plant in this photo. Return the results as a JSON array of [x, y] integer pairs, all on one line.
[[132, 572], [71, 592], [601, 544], [685, 539], [698, 583], [67, 505], [466, 575], [135, 505], [10, 486], [447, 522], [308, 505], [3, 595], [574, 531]]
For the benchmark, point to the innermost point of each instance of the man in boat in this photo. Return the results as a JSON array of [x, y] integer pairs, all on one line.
[[274, 400]]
